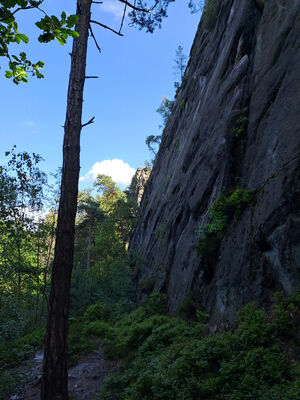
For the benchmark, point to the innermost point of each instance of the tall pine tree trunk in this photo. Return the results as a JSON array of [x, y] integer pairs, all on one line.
[[55, 372]]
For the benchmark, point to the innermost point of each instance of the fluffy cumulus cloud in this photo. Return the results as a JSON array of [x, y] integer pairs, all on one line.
[[119, 171]]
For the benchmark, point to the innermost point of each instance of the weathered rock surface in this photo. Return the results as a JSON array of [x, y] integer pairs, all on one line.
[[245, 62], [138, 183]]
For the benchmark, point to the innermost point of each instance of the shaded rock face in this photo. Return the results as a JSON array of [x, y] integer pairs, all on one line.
[[138, 183], [243, 64]]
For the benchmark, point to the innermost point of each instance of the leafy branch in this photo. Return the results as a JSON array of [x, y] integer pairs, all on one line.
[[53, 28]]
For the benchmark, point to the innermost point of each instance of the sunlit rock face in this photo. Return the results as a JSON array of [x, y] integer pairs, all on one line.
[[138, 183], [244, 66]]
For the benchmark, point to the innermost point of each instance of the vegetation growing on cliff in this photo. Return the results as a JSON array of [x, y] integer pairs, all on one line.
[[210, 13], [228, 206]]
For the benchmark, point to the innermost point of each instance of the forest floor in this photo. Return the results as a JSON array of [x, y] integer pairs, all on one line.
[[85, 378]]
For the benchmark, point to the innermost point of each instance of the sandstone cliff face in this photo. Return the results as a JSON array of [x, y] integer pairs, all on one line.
[[245, 63], [138, 183]]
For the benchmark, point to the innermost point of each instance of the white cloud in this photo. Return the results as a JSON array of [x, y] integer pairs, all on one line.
[[118, 170], [112, 7]]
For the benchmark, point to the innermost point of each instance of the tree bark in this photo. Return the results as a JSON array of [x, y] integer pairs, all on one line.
[[55, 372]]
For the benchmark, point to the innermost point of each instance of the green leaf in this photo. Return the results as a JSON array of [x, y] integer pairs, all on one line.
[[46, 37], [71, 21], [22, 3], [23, 37], [9, 75], [41, 24], [55, 20], [73, 34], [60, 40], [34, 3]]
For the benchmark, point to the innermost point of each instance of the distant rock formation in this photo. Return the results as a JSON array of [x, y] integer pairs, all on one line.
[[138, 182], [235, 125]]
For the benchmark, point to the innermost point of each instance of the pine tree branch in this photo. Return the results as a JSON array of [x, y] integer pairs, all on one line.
[[123, 18], [95, 40], [106, 27], [137, 8], [91, 121]]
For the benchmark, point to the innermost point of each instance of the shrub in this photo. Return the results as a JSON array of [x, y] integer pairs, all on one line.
[[23, 348], [79, 340], [97, 328], [156, 303], [174, 359], [98, 312], [229, 205]]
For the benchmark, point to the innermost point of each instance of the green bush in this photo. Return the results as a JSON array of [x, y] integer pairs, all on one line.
[[109, 285], [175, 359], [9, 381], [98, 312], [12, 355], [97, 328], [81, 340], [156, 303], [228, 206], [23, 348]]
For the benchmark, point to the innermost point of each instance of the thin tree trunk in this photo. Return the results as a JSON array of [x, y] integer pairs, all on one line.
[[55, 372]]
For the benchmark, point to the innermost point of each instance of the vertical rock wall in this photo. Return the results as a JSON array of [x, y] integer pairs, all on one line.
[[138, 183], [244, 66]]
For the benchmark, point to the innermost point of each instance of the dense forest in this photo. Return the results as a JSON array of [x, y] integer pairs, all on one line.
[[185, 285]]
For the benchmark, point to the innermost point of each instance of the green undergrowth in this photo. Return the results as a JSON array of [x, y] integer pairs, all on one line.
[[171, 358], [228, 206], [14, 354], [79, 342]]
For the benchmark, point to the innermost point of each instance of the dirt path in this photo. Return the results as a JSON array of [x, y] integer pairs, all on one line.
[[85, 378]]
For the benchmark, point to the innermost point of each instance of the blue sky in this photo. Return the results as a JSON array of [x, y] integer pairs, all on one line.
[[135, 73]]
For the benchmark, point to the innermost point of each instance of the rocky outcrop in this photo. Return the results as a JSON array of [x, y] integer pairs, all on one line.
[[235, 124], [138, 183]]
